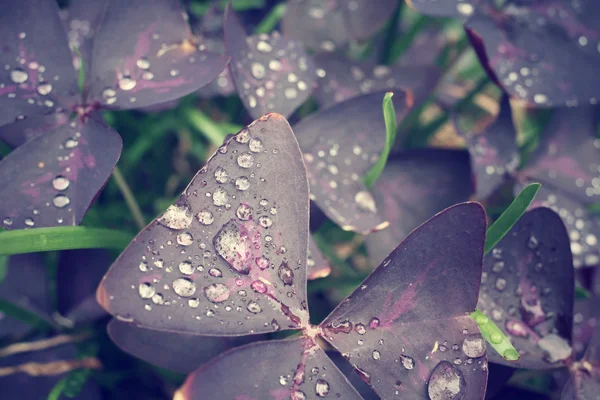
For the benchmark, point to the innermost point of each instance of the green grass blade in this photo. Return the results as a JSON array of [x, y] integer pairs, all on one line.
[[237, 5], [23, 315], [62, 238], [81, 72], [509, 218], [202, 123], [495, 337], [389, 115], [272, 19]]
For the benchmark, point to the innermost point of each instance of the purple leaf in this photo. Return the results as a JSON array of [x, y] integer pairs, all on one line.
[[52, 179], [414, 186], [528, 289], [37, 76], [342, 79], [271, 73], [181, 352], [317, 265], [582, 226], [568, 158], [586, 316], [78, 274], [296, 369], [328, 25], [544, 53], [19, 132], [229, 257], [494, 153], [144, 54], [25, 285], [340, 144], [405, 329], [444, 8]]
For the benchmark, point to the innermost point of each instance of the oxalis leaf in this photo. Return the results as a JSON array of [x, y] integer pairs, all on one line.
[[389, 114], [61, 238]]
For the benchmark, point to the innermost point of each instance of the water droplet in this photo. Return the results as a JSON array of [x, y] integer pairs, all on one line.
[[511, 355], [374, 323], [376, 355], [258, 70], [184, 287], [500, 284], [127, 83], [555, 347], [285, 274], [244, 212], [245, 160], [473, 346], [242, 183], [19, 75], [205, 217], [220, 197], [498, 266], [215, 272], [146, 290], [365, 201], [158, 299], [265, 221], [177, 216], [254, 307], [446, 382], [143, 63], [143, 266], [44, 88], [193, 303], [298, 395], [185, 238], [60, 201], [360, 329], [496, 338], [216, 293], [259, 287], [233, 245], [533, 242], [221, 176], [256, 145], [60, 183], [186, 268], [322, 388], [407, 361], [262, 262]]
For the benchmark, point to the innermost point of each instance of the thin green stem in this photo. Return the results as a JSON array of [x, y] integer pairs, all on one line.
[[391, 126], [203, 124], [129, 197], [272, 19], [61, 238]]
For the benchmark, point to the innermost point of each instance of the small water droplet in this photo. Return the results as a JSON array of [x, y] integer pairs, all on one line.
[[60, 183], [245, 160], [221, 176], [374, 323], [127, 83], [254, 307], [215, 272], [262, 262], [376, 355], [143, 63], [186, 268], [19, 75], [533, 242], [205, 217], [360, 329], [322, 387], [220, 197], [185, 239], [285, 274], [473, 346], [244, 212], [407, 361], [256, 145], [265, 221], [259, 287], [242, 183], [177, 216], [60, 201], [146, 290], [44, 88]]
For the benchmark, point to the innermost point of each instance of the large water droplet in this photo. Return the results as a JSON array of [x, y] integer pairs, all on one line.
[[233, 245], [184, 287], [446, 382], [186, 268], [285, 274], [220, 197], [256, 145], [556, 348], [177, 216], [216, 293], [322, 388], [146, 290], [60, 183], [245, 160], [473, 346], [221, 176], [19, 75], [60, 201], [407, 361]]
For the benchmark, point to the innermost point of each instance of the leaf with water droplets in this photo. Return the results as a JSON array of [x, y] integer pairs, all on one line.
[[258, 371], [527, 290], [326, 26], [405, 329], [583, 226], [53, 179], [77, 275], [494, 152], [544, 53], [342, 79], [586, 315], [26, 286], [225, 259], [36, 61], [568, 157], [271, 73], [20, 132], [340, 144], [414, 186], [180, 352], [144, 54]]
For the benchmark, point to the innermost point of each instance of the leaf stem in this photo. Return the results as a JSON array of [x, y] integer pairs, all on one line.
[[129, 197], [391, 126]]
